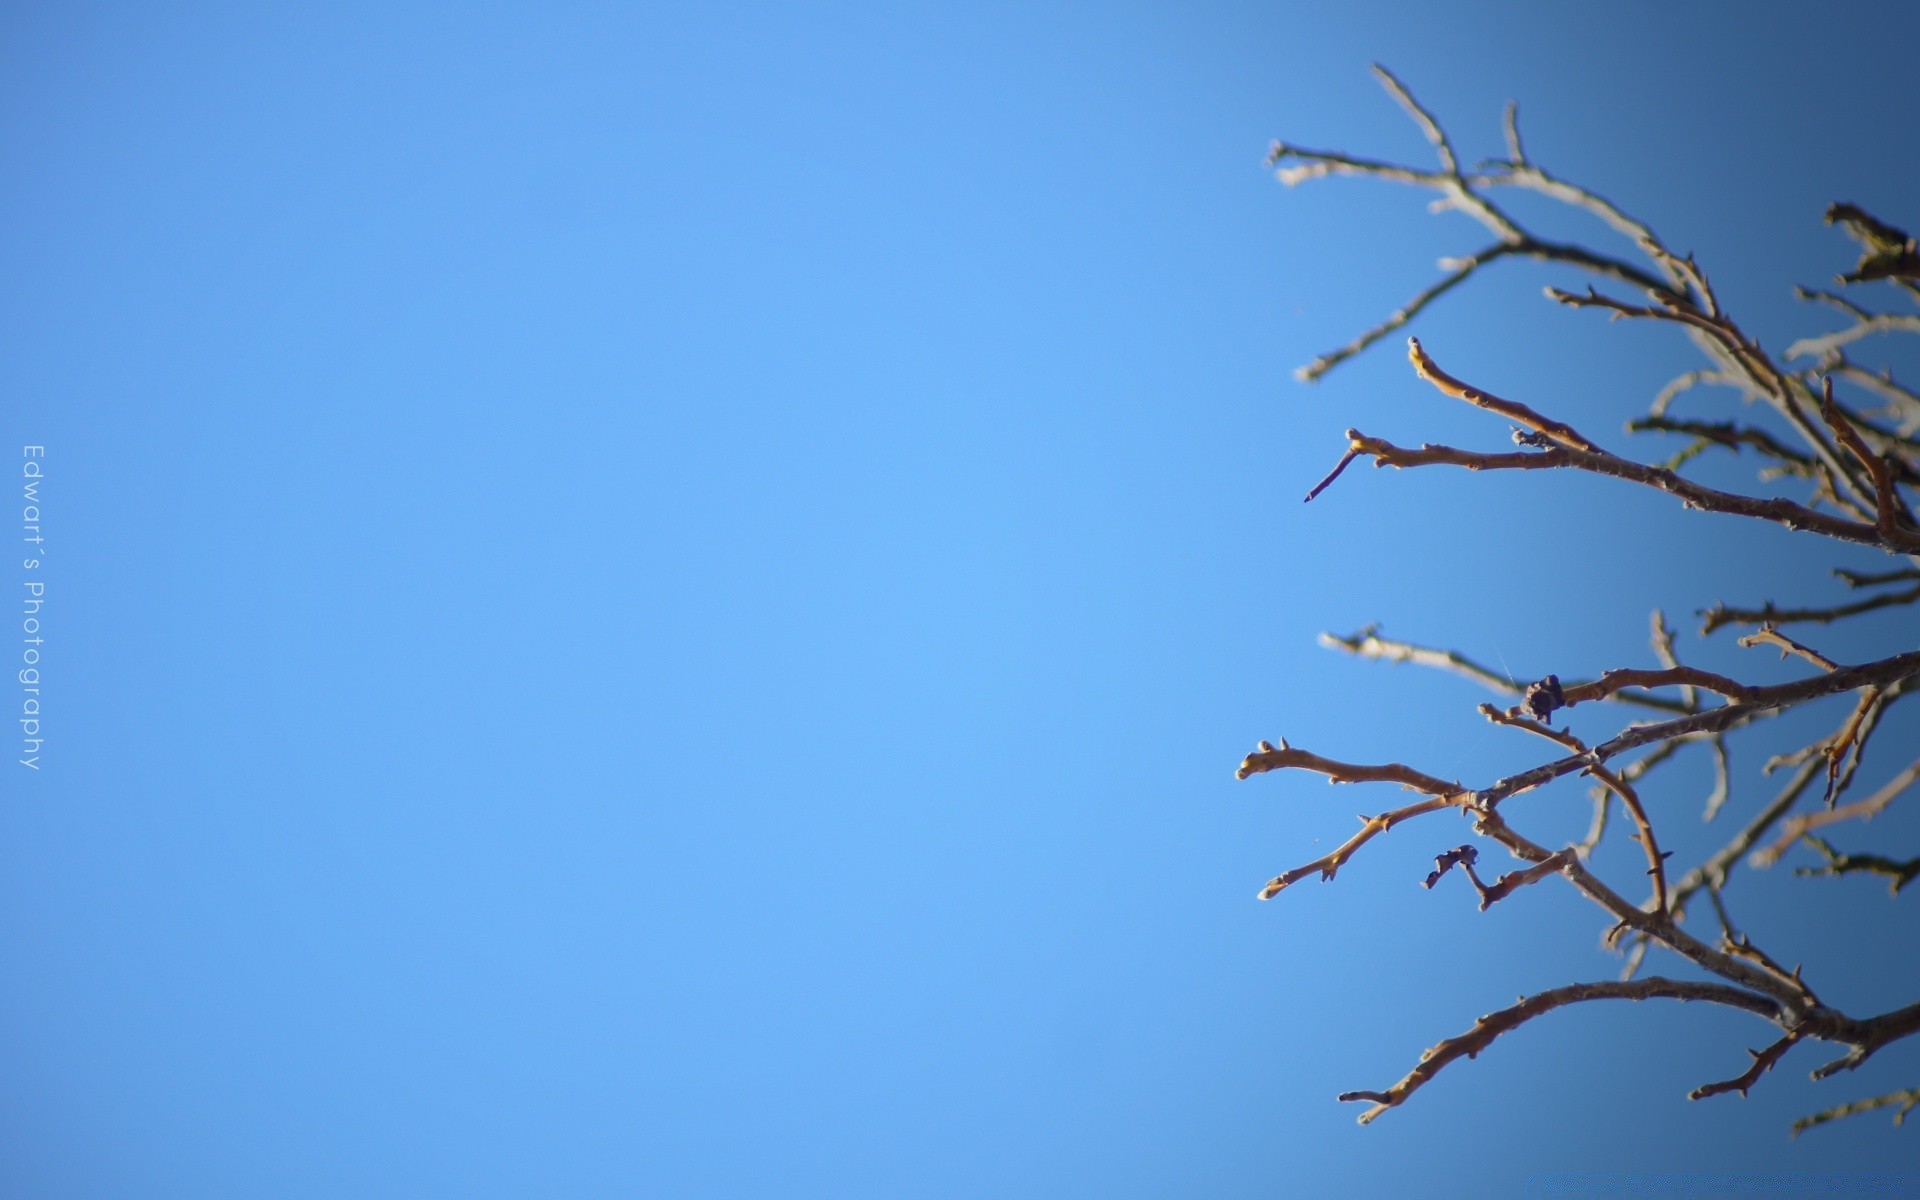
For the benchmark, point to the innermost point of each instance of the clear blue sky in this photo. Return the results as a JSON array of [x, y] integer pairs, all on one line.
[[661, 600]]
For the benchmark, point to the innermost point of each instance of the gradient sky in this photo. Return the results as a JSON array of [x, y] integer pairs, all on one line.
[[661, 600]]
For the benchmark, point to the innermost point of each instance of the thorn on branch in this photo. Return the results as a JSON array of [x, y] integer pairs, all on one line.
[[1763, 1061]]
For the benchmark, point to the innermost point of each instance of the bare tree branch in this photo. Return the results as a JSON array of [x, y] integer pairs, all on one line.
[[1855, 475], [1486, 1029]]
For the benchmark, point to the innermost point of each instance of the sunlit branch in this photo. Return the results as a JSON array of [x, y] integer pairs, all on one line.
[[1860, 810]]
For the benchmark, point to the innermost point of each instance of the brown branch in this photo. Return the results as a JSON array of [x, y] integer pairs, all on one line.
[[1327, 865], [1767, 635], [1856, 469], [1865, 1037], [1489, 823], [1890, 511], [1864, 810], [1713, 330], [1860, 579], [1560, 432], [1763, 1061], [1513, 881], [1842, 863], [1759, 701], [1851, 735], [1790, 993], [1900, 399], [1776, 510], [1458, 192], [1872, 705], [1882, 673], [1267, 757], [1741, 946], [1723, 433], [1724, 340], [1631, 799], [1720, 615], [1369, 644], [1489, 1027], [1611, 682]]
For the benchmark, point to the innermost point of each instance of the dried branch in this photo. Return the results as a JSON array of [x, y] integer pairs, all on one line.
[[1727, 434], [1776, 510], [1491, 1026], [1907, 1100], [1720, 616], [1840, 863], [1512, 881], [1724, 341], [1890, 510], [1858, 475], [1556, 431], [1767, 635], [1367, 643], [1717, 720], [1267, 757], [1867, 326], [1902, 402], [1763, 1061], [1612, 682], [1861, 810], [1860, 579], [1327, 865], [1655, 859]]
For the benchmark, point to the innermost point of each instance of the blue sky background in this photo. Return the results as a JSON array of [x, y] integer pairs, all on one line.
[[662, 600]]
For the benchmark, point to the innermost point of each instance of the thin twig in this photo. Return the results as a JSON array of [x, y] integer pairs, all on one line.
[[1907, 1100]]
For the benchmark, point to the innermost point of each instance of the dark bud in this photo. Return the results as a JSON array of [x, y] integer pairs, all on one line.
[[1543, 698], [1463, 856]]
